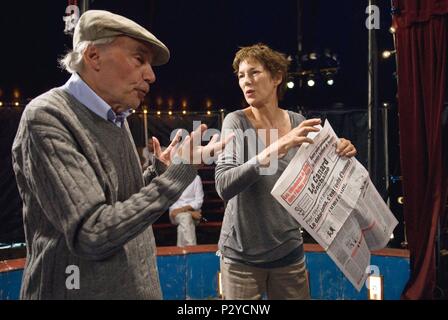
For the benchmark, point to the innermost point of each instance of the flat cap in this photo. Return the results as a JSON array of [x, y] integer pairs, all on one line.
[[98, 24]]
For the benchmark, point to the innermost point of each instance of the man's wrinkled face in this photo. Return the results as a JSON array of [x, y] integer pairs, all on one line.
[[125, 73]]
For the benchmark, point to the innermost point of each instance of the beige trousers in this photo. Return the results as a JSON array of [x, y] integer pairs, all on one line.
[[186, 229], [243, 282]]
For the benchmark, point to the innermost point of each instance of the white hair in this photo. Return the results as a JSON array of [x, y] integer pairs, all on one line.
[[72, 61]]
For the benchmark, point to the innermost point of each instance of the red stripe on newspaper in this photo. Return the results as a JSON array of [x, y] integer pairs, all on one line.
[[293, 191]]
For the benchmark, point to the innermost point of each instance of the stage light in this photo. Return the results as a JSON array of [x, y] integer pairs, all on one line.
[[400, 200], [170, 113], [159, 113], [145, 111], [16, 103], [310, 83], [184, 112], [133, 110], [375, 287], [209, 112], [290, 84], [16, 93], [313, 56], [387, 54], [329, 77], [208, 103], [1, 104], [219, 285]]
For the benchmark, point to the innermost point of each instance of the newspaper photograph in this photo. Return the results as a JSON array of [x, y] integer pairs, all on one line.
[[334, 200]]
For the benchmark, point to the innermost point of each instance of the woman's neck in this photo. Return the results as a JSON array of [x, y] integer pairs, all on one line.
[[269, 115]]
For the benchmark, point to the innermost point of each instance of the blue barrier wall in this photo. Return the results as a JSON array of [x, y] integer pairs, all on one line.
[[328, 282], [190, 276], [194, 276], [10, 284]]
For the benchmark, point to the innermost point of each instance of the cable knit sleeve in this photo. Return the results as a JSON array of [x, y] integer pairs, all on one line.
[[154, 170], [70, 194]]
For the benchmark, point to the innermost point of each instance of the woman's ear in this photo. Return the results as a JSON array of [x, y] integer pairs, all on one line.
[[278, 78]]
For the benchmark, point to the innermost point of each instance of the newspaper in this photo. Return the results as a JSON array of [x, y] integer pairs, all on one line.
[[334, 200]]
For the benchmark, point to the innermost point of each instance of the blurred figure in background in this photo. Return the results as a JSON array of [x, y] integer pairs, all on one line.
[[186, 213], [148, 154]]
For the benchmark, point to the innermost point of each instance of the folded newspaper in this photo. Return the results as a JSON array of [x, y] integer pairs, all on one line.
[[335, 201]]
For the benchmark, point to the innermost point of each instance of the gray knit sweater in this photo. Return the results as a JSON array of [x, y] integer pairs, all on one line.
[[85, 204], [256, 228]]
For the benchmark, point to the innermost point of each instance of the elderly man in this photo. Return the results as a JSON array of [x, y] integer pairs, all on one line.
[[87, 208]]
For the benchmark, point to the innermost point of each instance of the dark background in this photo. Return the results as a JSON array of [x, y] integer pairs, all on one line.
[[203, 36]]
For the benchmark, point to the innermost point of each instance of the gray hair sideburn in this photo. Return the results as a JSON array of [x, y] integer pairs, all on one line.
[[72, 61]]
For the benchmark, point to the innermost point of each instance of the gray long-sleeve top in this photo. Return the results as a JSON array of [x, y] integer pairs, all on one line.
[[85, 204], [256, 228]]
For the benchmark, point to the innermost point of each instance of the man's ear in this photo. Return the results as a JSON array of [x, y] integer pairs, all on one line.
[[92, 57]]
